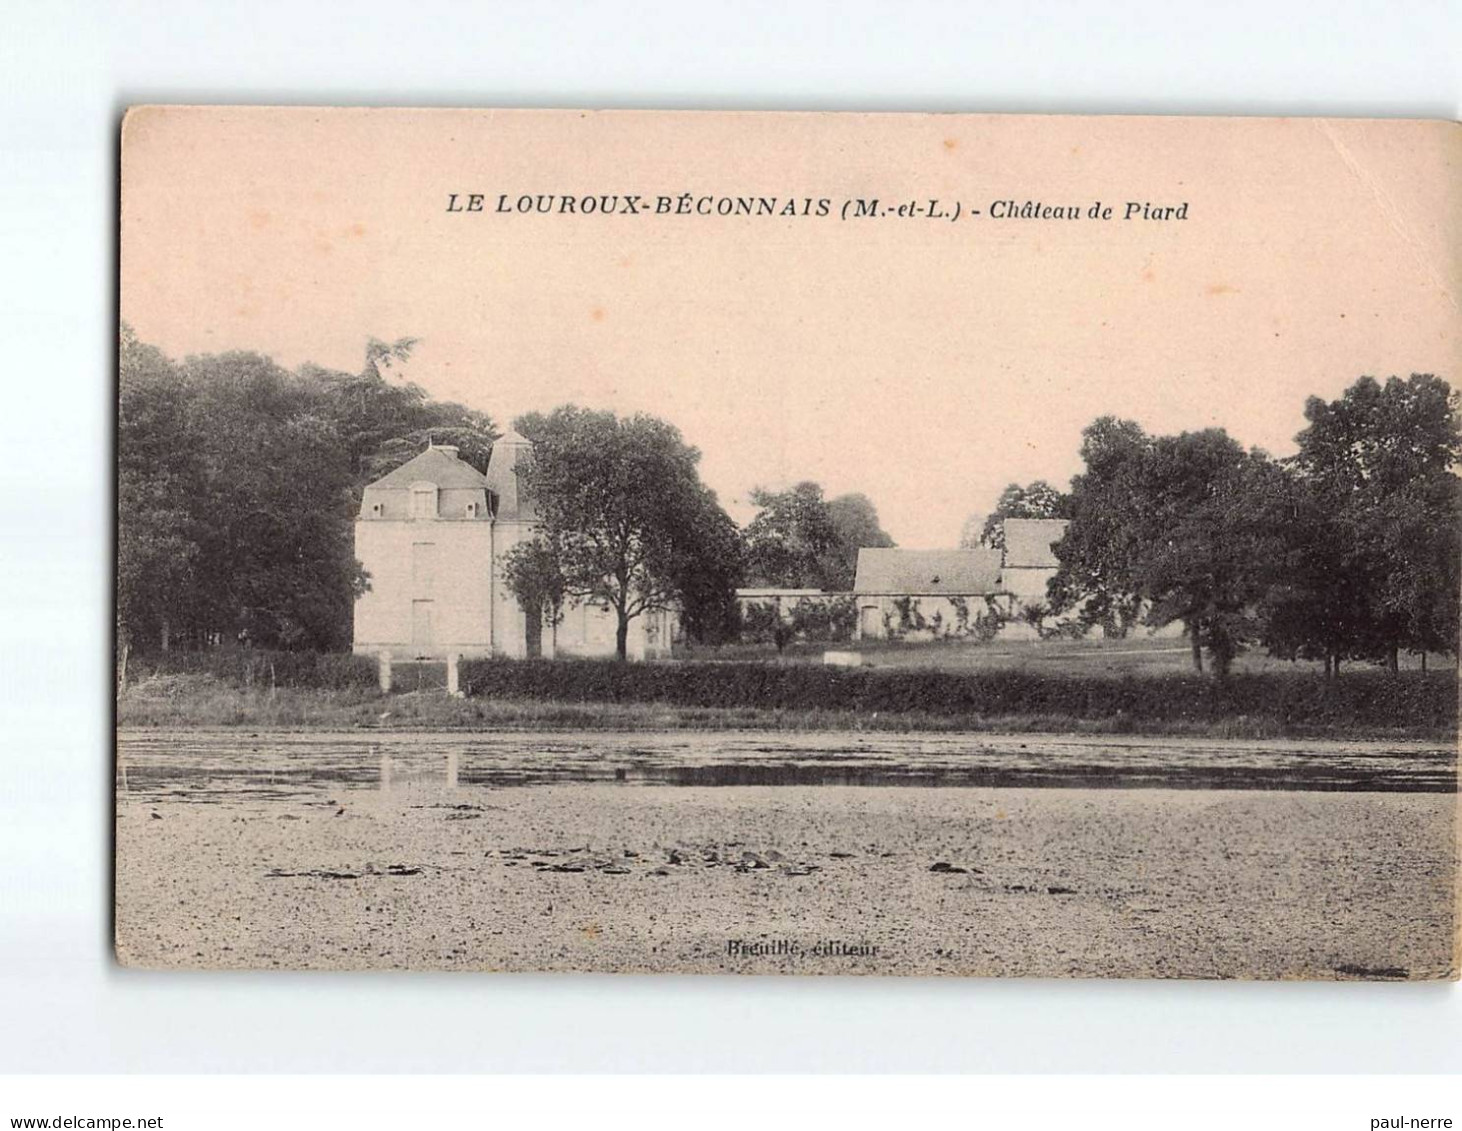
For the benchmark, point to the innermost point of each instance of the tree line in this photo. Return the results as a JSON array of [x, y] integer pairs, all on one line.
[[1347, 550], [239, 482], [626, 521]]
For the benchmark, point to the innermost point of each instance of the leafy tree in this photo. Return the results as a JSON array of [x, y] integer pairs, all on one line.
[[385, 423], [237, 488], [156, 478], [1419, 593], [708, 573], [381, 355], [855, 525], [1036, 500], [273, 506], [1373, 561], [1184, 528], [799, 540], [791, 539], [1315, 607], [1213, 538], [368, 409], [1098, 577], [155, 561], [531, 572], [622, 509]]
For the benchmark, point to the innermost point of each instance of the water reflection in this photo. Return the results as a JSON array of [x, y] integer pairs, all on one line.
[[217, 763], [401, 771]]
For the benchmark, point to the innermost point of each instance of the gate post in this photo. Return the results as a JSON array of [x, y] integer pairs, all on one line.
[[453, 682], [383, 660]]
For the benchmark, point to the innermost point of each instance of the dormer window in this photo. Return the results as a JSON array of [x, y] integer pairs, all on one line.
[[423, 500]]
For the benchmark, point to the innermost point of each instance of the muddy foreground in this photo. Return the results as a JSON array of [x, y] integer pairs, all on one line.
[[230, 859]]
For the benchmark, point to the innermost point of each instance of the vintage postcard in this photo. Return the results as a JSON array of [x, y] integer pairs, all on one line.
[[788, 543]]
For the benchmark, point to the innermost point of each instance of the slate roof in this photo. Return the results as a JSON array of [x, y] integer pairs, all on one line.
[[1028, 542], [435, 465], [951, 573]]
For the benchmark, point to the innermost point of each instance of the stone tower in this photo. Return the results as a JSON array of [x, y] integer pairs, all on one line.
[[514, 520]]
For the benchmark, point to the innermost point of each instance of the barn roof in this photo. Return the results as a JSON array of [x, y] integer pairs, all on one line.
[[435, 465], [927, 572], [1028, 542]]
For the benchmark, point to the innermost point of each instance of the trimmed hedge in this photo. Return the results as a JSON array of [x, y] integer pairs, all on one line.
[[258, 667], [1358, 699]]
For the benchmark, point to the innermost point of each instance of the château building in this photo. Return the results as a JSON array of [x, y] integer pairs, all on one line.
[[432, 536]]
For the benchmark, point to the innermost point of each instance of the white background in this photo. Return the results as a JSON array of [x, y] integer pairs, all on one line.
[[67, 71]]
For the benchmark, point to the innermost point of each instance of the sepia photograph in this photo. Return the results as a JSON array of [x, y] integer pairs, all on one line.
[[787, 543]]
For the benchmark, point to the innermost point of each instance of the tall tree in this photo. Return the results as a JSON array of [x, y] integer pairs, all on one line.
[[1098, 576], [534, 575], [624, 516], [1212, 539], [800, 540], [157, 477], [273, 508], [237, 487], [1375, 556], [384, 422], [1184, 528], [855, 525], [791, 539], [708, 572]]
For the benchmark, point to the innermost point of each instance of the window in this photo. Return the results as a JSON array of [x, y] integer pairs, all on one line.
[[376, 510], [471, 510], [423, 500]]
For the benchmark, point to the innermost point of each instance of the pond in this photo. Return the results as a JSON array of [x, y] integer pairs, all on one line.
[[1018, 855], [200, 764]]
